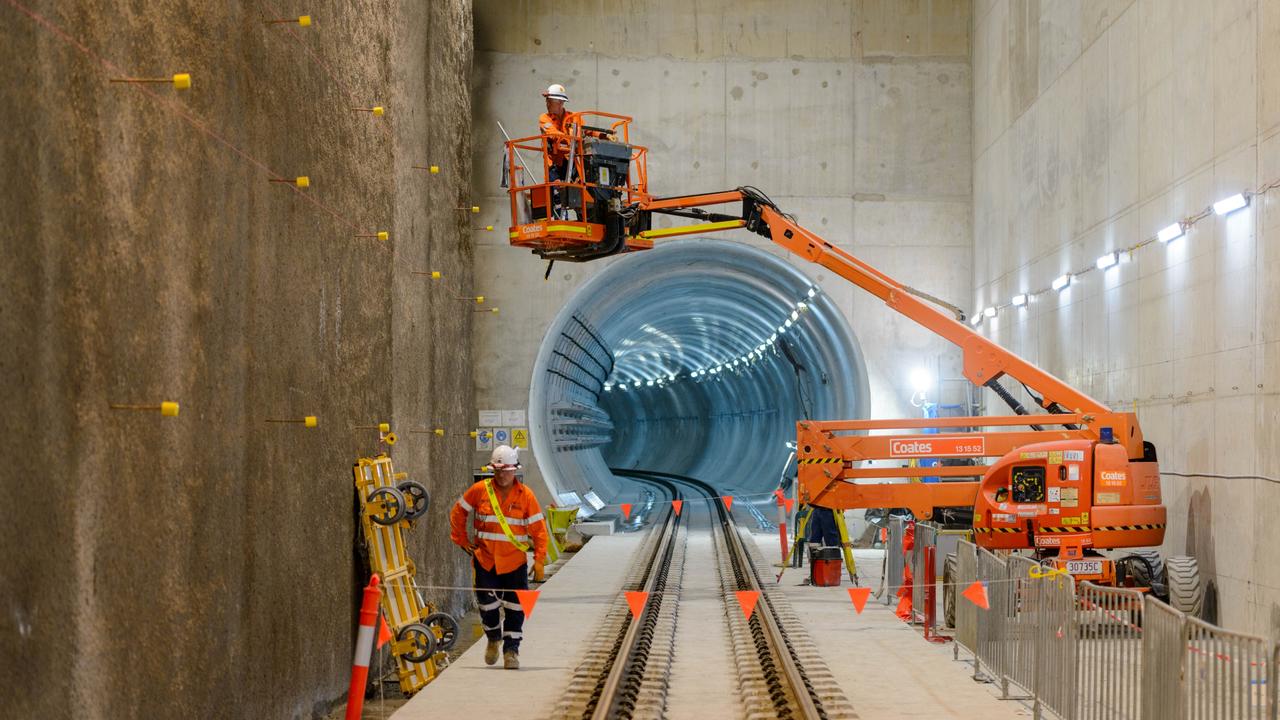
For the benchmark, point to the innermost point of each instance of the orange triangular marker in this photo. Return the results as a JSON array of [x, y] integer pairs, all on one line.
[[977, 594], [859, 597], [384, 632], [626, 510], [787, 503], [728, 501], [778, 494], [528, 598], [636, 599], [747, 599], [677, 504]]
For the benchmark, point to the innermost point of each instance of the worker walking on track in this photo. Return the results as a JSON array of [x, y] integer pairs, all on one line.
[[499, 523]]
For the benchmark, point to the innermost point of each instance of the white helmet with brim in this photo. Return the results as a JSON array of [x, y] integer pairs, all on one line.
[[505, 457], [556, 92]]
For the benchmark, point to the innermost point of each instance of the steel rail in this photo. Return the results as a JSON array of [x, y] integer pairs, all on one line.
[[798, 688], [627, 664]]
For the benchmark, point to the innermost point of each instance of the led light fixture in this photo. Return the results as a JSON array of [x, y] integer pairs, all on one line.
[[1170, 232]]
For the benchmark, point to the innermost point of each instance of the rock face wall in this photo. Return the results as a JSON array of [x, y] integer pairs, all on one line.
[[1096, 125], [204, 565], [852, 114]]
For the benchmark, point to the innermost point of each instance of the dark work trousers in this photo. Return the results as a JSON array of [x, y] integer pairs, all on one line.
[[556, 173], [500, 611]]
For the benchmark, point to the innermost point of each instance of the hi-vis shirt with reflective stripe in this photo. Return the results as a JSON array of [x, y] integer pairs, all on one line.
[[474, 514]]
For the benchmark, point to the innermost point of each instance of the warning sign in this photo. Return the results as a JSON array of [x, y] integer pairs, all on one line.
[[484, 438], [520, 438]]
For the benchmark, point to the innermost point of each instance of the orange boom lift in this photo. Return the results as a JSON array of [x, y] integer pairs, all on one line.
[[1075, 477]]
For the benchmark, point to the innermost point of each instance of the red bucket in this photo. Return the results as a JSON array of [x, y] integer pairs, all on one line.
[[825, 567]]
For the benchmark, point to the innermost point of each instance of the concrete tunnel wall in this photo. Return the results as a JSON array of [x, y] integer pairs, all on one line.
[[852, 114], [204, 565], [673, 360], [1094, 127]]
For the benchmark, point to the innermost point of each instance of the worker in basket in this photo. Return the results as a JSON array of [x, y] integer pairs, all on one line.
[[499, 523], [555, 126]]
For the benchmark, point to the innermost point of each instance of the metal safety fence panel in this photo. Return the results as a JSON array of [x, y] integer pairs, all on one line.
[[894, 559], [1227, 674], [1055, 651], [966, 612], [1163, 657], [926, 535], [1019, 616], [991, 570], [1111, 626]]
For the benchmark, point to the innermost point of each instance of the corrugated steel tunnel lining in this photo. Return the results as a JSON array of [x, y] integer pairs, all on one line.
[[697, 358]]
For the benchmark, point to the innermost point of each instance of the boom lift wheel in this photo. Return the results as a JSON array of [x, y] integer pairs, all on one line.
[[417, 498], [423, 642], [950, 569], [1146, 569], [448, 629], [1186, 593], [393, 505]]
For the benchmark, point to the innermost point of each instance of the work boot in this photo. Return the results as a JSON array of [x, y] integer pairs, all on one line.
[[510, 660], [491, 652]]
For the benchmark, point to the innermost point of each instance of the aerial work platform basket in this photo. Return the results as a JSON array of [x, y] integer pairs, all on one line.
[[571, 194]]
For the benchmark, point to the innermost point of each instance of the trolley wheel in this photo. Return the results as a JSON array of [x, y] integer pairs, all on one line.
[[417, 498], [1186, 593], [447, 626], [393, 505], [950, 569], [423, 642]]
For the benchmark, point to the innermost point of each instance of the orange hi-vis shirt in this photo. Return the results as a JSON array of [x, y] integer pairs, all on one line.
[[524, 516], [558, 140]]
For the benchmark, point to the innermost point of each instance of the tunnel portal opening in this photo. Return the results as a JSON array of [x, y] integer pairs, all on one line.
[[695, 358]]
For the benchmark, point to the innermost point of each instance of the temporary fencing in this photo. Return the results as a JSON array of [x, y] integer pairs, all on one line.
[[894, 560], [966, 617], [1080, 651]]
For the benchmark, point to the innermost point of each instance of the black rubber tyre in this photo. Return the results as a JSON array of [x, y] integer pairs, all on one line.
[[1186, 593], [1150, 573], [448, 629], [950, 571], [424, 642], [417, 499], [395, 505]]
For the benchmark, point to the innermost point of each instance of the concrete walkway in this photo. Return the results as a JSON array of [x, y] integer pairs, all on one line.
[[570, 606]]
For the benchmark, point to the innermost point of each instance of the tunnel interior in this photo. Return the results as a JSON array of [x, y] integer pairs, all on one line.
[[695, 358]]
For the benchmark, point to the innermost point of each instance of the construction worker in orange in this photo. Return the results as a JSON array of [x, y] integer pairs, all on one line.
[[499, 523], [552, 126]]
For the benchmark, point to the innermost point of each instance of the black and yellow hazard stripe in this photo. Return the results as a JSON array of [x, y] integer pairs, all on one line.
[[1117, 528], [998, 530], [819, 461], [1065, 529]]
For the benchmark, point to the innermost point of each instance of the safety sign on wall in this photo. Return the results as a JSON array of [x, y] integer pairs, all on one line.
[[484, 438], [520, 438], [502, 436]]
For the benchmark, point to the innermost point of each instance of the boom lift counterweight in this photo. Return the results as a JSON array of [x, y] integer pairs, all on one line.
[[1076, 478]]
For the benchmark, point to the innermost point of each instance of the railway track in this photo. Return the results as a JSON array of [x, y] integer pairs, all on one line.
[[626, 672]]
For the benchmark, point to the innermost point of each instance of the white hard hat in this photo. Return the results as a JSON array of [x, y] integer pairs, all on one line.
[[556, 91], [504, 457]]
